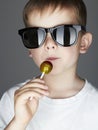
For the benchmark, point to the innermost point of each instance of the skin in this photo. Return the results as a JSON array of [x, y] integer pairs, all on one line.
[[62, 81]]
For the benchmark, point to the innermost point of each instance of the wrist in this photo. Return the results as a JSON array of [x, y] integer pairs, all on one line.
[[16, 125]]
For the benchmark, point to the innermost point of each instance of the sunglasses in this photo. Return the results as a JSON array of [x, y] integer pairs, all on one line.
[[64, 35]]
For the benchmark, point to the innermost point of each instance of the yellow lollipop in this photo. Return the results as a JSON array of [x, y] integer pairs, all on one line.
[[45, 68]]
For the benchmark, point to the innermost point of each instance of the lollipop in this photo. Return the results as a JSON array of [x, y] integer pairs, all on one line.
[[45, 68]]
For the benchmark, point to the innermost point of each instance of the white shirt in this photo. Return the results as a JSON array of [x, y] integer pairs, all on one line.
[[79, 112]]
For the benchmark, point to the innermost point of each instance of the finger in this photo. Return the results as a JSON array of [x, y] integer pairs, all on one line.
[[34, 84], [24, 97], [37, 90], [37, 80]]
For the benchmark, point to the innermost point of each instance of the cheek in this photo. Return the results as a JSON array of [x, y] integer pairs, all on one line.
[[35, 55], [71, 54], [75, 53]]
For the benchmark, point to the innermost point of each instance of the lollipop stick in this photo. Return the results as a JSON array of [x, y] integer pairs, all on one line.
[[42, 75]]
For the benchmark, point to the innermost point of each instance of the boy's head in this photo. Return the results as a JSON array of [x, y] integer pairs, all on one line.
[[42, 17], [52, 26], [41, 6]]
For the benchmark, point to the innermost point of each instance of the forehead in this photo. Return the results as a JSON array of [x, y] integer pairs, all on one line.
[[50, 19]]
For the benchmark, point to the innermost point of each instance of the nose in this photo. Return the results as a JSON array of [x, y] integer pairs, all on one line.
[[50, 43]]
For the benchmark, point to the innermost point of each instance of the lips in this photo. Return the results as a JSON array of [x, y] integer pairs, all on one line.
[[52, 58]]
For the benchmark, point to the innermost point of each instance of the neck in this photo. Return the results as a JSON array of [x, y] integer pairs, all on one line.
[[63, 86]]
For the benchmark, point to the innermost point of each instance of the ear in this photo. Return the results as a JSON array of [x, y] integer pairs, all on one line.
[[86, 41]]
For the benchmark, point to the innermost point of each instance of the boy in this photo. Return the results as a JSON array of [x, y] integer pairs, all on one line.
[[55, 32]]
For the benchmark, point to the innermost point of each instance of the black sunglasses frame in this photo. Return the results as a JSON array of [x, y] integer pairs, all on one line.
[[77, 28]]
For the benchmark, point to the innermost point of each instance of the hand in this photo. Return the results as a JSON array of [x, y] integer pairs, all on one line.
[[26, 100]]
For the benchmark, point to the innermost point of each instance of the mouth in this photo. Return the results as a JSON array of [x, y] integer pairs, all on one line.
[[52, 58]]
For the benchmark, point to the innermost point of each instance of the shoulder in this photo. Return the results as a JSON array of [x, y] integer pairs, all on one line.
[[92, 95], [7, 104], [90, 106], [92, 90], [9, 94]]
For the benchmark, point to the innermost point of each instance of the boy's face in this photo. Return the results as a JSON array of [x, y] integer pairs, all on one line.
[[62, 58]]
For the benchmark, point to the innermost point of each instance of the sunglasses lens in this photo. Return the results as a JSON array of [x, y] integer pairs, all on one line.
[[32, 38], [64, 35]]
